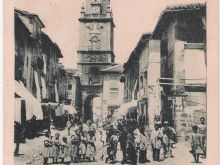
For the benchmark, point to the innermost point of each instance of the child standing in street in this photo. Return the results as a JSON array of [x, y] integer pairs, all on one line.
[[47, 153], [156, 141], [196, 144], [143, 147], [169, 134], [90, 150], [74, 148], [56, 147], [202, 131], [64, 149], [82, 146]]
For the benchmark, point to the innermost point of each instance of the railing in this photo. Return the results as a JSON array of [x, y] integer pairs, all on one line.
[[95, 15]]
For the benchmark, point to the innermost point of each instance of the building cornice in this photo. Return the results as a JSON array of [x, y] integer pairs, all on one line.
[[97, 20]]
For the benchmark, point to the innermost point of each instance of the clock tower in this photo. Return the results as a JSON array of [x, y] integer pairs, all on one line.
[[95, 51]]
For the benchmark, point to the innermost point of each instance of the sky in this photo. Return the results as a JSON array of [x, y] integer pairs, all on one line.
[[131, 17]]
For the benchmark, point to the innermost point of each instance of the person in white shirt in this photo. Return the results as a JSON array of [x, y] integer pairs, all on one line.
[[202, 131], [156, 141]]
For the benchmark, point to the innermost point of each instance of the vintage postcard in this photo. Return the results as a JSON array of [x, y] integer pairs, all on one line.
[[111, 82]]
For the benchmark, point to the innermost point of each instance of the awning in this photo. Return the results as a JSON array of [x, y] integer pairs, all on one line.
[[33, 106], [17, 110], [70, 109], [123, 110], [44, 89], [37, 85]]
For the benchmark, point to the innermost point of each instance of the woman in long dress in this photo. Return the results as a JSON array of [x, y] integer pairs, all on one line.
[[74, 148], [156, 141], [143, 147], [47, 151], [82, 146], [90, 150], [64, 149], [196, 144], [56, 147]]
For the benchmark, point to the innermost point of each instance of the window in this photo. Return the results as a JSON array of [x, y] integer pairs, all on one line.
[[113, 95], [94, 43], [141, 82], [94, 75], [70, 87]]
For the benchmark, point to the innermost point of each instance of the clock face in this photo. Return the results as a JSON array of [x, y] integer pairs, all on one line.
[[96, 9]]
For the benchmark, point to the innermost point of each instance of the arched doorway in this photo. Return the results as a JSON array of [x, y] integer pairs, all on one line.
[[92, 107]]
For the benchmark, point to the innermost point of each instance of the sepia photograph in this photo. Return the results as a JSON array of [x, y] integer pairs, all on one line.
[[110, 82]]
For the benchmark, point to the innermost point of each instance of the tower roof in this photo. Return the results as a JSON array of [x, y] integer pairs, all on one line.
[[97, 9]]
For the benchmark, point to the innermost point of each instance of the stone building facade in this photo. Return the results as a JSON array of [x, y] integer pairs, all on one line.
[[148, 52], [141, 75], [28, 50], [51, 53], [182, 32], [161, 74], [23, 54], [36, 67], [131, 85], [114, 90], [29, 76], [73, 89], [95, 51], [61, 84]]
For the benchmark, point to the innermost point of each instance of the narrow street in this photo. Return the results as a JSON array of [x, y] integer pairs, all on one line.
[[147, 91], [31, 153]]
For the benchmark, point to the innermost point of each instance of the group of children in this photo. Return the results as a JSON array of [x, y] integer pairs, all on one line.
[[162, 137], [78, 146]]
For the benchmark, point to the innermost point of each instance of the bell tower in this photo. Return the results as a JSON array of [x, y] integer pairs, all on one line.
[[96, 45]]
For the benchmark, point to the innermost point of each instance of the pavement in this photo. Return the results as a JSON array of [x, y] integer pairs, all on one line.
[[31, 154]]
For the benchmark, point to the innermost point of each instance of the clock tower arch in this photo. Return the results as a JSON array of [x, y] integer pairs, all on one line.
[[96, 46]]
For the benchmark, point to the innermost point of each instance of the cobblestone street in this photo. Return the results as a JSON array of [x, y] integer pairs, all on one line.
[[31, 153]]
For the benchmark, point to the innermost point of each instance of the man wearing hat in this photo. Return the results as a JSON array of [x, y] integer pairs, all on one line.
[[168, 136], [156, 141]]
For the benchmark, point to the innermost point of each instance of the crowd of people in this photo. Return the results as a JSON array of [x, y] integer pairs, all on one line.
[[79, 144], [135, 141]]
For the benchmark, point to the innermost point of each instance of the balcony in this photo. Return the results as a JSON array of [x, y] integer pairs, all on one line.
[[95, 16]]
